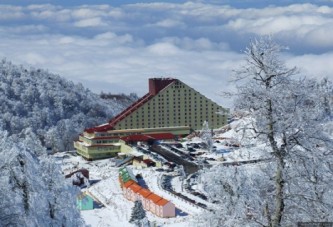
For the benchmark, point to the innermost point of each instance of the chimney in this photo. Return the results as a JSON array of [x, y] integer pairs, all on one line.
[[157, 84]]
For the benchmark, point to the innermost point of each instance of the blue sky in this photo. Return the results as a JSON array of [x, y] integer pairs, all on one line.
[[115, 46], [235, 3]]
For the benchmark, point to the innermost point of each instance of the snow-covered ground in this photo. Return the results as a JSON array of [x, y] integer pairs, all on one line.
[[116, 210]]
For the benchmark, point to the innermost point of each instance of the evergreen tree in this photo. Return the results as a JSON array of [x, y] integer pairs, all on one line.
[[55, 109], [138, 213], [33, 192], [206, 136]]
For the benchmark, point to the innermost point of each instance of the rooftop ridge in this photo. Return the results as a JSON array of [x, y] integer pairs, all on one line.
[[120, 116], [166, 86], [130, 109], [156, 85]]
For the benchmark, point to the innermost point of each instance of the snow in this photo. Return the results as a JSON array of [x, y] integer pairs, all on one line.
[[105, 188], [152, 179], [116, 209], [177, 186]]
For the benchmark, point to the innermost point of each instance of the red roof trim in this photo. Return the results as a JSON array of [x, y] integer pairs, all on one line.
[[130, 109], [144, 192], [146, 137], [162, 202], [154, 198], [135, 187], [148, 161], [155, 86]]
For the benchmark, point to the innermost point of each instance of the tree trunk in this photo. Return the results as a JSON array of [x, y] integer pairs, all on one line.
[[279, 200], [279, 183]]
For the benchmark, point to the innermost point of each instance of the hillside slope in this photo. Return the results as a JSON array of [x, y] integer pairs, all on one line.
[[56, 109]]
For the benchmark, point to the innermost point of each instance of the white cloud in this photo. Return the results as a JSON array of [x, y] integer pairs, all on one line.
[[83, 13], [163, 49], [112, 38], [90, 22], [314, 65], [33, 58], [8, 12], [118, 48], [168, 23]]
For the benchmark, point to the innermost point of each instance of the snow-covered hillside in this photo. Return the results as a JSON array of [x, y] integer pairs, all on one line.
[[55, 109]]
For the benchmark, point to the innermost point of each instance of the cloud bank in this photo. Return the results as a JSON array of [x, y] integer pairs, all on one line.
[[116, 48]]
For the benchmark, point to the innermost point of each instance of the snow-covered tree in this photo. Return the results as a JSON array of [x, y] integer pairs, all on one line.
[[287, 117], [43, 101], [33, 192], [206, 136], [138, 213]]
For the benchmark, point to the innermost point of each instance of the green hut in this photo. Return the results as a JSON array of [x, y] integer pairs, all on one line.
[[85, 202]]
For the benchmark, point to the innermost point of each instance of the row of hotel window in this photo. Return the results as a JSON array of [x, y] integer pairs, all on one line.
[[164, 118], [166, 102], [179, 108], [163, 124], [175, 113]]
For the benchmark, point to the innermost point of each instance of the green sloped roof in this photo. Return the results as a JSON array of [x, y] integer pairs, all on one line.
[[122, 170], [125, 175], [126, 178]]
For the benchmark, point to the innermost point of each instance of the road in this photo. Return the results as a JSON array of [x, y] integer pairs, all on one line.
[[189, 167]]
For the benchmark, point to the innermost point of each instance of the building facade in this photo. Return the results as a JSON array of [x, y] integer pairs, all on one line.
[[171, 103], [97, 149], [150, 201], [171, 109]]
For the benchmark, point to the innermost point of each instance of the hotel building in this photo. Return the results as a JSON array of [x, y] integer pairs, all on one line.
[[169, 110]]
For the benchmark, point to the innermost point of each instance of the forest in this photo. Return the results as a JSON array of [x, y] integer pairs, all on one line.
[[39, 111], [53, 108]]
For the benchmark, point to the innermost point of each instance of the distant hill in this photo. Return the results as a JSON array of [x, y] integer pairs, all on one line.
[[54, 108]]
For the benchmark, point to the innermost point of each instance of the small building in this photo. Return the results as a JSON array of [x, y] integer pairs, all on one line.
[[150, 201], [127, 192], [165, 208], [133, 189], [125, 175], [140, 162], [92, 148], [136, 162], [79, 177], [143, 196], [153, 199], [85, 202], [148, 163], [161, 207]]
